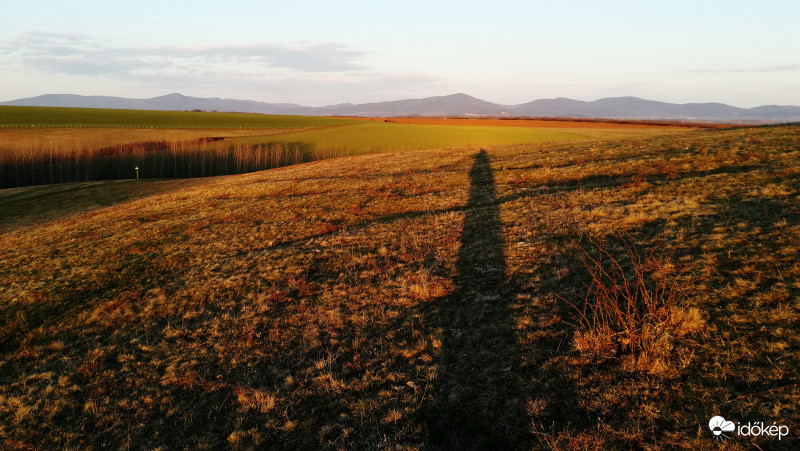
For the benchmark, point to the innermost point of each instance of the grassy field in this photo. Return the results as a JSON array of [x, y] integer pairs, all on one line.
[[58, 145], [379, 136], [51, 117], [457, 298], [61, 145], [574, 124]]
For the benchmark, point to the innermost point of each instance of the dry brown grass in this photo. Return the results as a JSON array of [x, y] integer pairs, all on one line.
[[38, 204], [344, 304]]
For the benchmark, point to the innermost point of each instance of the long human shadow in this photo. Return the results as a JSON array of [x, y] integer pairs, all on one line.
[[477, 400]]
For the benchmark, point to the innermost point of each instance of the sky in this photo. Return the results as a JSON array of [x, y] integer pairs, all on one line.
[[316, 53]]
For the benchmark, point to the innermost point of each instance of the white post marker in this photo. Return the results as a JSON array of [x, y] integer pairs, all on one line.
[[137, 172]]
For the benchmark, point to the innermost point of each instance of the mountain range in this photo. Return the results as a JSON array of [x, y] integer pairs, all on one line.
[[450, 105]]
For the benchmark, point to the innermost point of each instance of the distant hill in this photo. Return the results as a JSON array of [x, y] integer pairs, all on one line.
[[629, 108], [450, 105], [169, 102]]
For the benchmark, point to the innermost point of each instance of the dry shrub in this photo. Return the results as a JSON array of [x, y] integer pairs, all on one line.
[[634, 308]]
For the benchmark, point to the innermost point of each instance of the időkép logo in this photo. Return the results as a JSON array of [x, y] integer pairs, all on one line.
[[723, 429]]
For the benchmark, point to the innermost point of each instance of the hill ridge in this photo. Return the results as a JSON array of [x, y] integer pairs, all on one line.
[[458, 104]]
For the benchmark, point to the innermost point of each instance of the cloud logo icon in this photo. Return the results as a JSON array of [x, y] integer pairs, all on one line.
[[718, 425]]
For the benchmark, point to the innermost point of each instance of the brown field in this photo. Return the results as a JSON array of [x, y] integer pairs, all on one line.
[[583, 295]]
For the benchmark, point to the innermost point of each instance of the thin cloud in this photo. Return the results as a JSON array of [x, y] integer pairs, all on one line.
[[69, 54], [762, 69], [84, 55], [304, 57]]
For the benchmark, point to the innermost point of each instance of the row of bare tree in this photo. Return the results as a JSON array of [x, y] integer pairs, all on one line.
[[198, 158]]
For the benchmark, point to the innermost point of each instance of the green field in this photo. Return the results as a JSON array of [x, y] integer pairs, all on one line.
[[372, 137], [20, 116]]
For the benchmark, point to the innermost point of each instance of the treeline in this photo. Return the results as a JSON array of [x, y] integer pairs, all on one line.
[[59, 163]]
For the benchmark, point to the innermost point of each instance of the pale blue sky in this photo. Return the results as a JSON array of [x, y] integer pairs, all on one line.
[[326, 52]]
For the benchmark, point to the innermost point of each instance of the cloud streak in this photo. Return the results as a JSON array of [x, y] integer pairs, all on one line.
[[763, 69], [76, 54]]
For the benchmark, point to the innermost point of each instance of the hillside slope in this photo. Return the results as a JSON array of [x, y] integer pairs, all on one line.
[[35, 205], [412, 300]]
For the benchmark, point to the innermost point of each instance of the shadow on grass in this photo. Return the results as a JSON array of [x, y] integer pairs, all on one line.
[[478, 399]]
